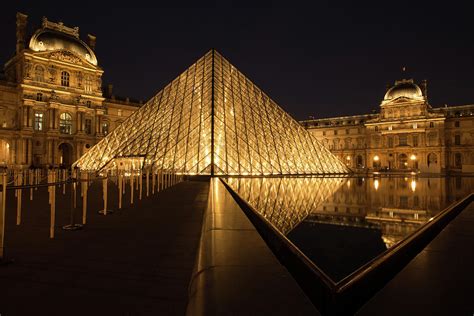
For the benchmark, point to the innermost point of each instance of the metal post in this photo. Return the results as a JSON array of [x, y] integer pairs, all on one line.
[[120, 187], [3, 197], [52, 179], [147, 183], [72, 225], [18, 197], [140, 180], [84, 186], [131, 188]]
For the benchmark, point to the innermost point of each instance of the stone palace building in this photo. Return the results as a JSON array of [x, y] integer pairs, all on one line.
[[53, 107], [407, 134]]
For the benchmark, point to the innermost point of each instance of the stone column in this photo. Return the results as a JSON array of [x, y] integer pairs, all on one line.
[[29, 158], [30, 116]]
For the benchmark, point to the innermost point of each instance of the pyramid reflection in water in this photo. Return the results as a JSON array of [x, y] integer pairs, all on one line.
[[286, 202], [212, 120]]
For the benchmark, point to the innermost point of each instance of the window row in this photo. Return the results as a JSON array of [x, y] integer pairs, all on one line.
[[65, 124], [82, 81]]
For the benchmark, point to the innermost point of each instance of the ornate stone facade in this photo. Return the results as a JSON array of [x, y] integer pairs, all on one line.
[[52, 106], [406, 135]]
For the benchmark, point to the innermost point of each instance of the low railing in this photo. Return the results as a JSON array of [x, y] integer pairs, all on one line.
[[141, 183]]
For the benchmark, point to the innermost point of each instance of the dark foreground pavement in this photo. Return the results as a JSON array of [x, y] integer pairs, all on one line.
[[136, 261]]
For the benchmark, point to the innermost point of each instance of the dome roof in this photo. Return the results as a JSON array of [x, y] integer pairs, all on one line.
[[50, 40], [404, 88]]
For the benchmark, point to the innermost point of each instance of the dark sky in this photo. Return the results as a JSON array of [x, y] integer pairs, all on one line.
[[327, 60]]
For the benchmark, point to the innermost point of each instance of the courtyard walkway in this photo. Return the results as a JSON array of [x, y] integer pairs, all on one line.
[[136, 261]]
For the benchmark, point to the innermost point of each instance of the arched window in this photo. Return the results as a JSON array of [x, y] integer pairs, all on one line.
[[39, 73], [65, 79], [65, 123]]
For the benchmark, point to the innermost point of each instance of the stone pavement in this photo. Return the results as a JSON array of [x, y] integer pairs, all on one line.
[[136, 261]]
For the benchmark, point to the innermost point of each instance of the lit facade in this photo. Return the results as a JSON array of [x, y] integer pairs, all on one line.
[[406, 135], [52, 107], [212, 120]]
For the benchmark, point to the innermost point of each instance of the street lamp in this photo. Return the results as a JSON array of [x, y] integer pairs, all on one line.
[[376, 158]]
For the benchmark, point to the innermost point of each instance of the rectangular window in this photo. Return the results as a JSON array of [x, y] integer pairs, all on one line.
[[415, 140], [335, 132], [403, 202], [88, 126], [347, 131], [457, 139], [402, 139], [119, 112], [456, 124], [390, 142], [88, 83], [324, 133], [415, 125], [38, 121]]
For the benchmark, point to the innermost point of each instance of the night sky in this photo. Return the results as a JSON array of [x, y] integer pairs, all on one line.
[[328, 60]]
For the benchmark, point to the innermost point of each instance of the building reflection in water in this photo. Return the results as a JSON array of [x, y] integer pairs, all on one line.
[[342, 223]]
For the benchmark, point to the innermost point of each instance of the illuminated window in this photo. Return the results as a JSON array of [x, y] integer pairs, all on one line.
[[65, 123], [119, 112], [38, 121], [390, 128], [88, 83], [415, 125], [65, 79], [39, 73], [39, 97], [88, 126], [105, 128]]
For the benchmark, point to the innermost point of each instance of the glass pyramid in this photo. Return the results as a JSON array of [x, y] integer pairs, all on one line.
[[212, 120]]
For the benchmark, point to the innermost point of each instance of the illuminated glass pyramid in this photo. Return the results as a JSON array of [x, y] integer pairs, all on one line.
[[212, 120]]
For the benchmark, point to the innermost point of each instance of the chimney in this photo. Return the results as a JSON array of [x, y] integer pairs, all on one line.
[[424, 84], [92, 40], [21, 21], [109, 90]]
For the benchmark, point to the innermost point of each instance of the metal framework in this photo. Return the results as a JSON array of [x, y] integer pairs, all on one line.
[[212, 120]]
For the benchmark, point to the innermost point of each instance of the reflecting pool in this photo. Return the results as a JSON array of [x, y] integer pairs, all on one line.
[[343, 223]]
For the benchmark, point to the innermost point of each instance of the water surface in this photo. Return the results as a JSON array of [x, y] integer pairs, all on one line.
[[343, 223]]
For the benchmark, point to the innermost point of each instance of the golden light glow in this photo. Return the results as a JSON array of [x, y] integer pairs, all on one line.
[[376, 184], [413, 157], [413, 185], [285, 202], [376, 158], [251, 134]]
